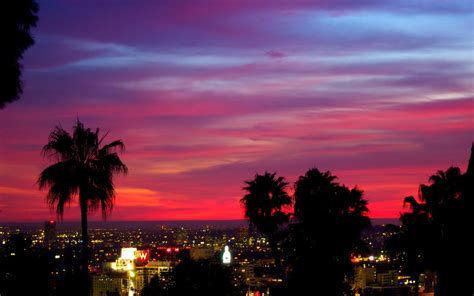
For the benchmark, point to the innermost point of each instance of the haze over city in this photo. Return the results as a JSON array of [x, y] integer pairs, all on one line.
[[379, 93]]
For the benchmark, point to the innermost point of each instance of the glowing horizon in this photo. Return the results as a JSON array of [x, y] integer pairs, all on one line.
[[205, 96]]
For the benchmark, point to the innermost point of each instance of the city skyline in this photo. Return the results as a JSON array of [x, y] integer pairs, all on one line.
[[380, 94]]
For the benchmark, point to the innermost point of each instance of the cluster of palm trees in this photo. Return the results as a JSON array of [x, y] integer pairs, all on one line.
[[312, 233], [312, 242], [437, 232], [325, 225]]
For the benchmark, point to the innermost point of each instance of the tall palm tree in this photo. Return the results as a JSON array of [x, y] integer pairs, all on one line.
[[84, 169], [329, 221], [264, 203]]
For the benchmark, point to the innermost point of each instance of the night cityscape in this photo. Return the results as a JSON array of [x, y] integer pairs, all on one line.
[[236, 148], [157, 249]]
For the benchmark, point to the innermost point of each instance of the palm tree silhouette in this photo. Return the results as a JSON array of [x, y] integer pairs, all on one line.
[[265, 199], [416, 241], [16, 20], [444, 208], [329, 222], [84, 169]]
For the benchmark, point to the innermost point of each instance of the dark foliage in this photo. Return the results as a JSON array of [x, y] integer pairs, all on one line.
[[264, 203], [436, 231], [203, 277], [17, 17], [68, 281], [329, 222], [155, 288], [23, 269]]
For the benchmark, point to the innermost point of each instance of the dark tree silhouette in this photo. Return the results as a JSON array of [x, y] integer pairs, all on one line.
[[85, 168], [443, 212], [16, 19], [329, 222], [24, 270], [203, 277], [413, 246], [154, 288], [265, 199]]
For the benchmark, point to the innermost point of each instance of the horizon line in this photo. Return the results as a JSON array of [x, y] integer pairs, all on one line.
[[164, 220]]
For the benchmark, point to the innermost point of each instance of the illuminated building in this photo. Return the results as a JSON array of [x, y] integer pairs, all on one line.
[[136, 268], [104, 284], [145, 273], [172, 253], [371, 277], [364, 276], [126, 266], [387, 278], [126, 261], [226, 256], [49, 232], [259, 273]]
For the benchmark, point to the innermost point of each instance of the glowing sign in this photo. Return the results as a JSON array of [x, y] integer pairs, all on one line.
[[128, 253], [226, 256], [123, 264], [142, 255], [126, 260]]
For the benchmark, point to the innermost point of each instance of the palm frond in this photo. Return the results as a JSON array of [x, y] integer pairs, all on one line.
[[266, 195], [411, 201], [60, 144], [114, 146], [83, 168]]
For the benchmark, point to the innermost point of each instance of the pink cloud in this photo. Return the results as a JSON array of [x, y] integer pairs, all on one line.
[[205, 96]]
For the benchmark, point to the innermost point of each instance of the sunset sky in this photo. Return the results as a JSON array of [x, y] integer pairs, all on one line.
[[206, 94]]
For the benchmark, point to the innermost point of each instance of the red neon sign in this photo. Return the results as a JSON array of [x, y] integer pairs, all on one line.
[[142, 255]]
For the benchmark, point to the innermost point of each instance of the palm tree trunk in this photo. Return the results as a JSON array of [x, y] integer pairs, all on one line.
[[85, 249]]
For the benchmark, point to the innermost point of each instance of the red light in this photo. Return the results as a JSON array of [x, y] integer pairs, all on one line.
[[176, 250], [168, 250], [52, 222]]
